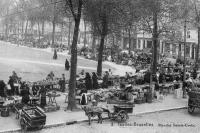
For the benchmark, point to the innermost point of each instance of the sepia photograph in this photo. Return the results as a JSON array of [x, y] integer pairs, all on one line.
[[99, 66]]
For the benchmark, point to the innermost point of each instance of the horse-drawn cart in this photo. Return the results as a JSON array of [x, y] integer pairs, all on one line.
[[118, 112]]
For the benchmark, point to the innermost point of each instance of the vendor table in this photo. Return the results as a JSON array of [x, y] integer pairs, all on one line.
[[52, 98], [17, 99], [34, 99], [167, 87]]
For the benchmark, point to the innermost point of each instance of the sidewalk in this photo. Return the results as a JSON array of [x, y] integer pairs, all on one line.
[[61, 117]]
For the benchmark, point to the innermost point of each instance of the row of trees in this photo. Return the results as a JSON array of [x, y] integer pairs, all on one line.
[[161, 18]]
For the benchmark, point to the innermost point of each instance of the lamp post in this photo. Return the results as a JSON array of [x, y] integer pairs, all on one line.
[[184, 65]]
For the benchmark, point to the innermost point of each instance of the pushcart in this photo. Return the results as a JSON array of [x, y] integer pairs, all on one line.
[[193, 101], [32, 117]]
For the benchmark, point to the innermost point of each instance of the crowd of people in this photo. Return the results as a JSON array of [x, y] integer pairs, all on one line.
[[17, 87], [87, 82]]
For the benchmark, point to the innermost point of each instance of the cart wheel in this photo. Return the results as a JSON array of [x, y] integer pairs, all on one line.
[[122, 116], [191, 109], [40, 127], [23, 125]]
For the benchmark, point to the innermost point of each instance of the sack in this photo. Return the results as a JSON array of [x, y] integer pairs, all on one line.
[[16, 84], [8, 87]]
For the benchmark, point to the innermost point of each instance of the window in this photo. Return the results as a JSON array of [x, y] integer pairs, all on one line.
[[139, 42], [144, 43], [149, 44], [188, 34]]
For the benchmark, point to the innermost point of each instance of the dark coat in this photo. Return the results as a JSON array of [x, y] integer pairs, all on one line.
[[11, 83], [43, 96], [105, 81], [67, 65], [62, 84], [2, 89], [88, 82], [95, 81], [25, 96]]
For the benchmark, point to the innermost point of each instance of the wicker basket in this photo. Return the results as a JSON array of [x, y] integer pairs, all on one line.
[[5, 113], [138, 101]]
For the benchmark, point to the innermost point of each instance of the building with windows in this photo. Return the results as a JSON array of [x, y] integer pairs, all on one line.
[[170, 47]]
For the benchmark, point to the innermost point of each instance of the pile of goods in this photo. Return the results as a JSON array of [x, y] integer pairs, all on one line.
[[47, 82], [103, 94], [51, 108]]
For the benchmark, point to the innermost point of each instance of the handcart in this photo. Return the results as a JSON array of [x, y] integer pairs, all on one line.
[[17, 109], [32, 117], [193, 101]]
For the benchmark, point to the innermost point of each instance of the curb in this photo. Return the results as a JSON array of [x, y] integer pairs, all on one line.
[[84, 120], [159, 111]]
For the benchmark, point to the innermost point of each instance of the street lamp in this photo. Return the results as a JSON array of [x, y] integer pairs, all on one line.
[[184, 65]]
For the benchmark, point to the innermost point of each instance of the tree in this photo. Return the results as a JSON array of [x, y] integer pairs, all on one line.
[[103, 15], [75, 7], [131, 17], [158, 18], [196, 4]]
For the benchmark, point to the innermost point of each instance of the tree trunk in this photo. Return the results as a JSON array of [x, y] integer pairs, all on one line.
[[129, 39], [43, 28], [23, 29], [101, 47], [62, 29], [72, 80], [113, 46], [25, 34], [85, 34], [53, 33], [100, 55], [69, 35], [93, 44], [155, 43], [54, 24], [197, 51], [38, 32]]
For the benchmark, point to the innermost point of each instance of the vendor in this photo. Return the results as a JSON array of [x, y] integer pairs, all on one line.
[[105, 80], [50, 76], [109, 72], [25, 94], [82, 73], [67, 65], [35, 89], [42, 93], [88, 81], [95, 81], [14, 76], [62, 83], [11, 83], [16, 81], [84, 99], [127, 76], [2, 89]]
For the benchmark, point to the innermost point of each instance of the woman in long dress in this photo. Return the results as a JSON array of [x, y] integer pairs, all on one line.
[[42, 93], [88, 81], [95, 81], [25, 95]]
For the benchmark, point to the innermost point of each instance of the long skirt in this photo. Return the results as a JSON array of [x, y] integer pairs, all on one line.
[[43, 101]]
